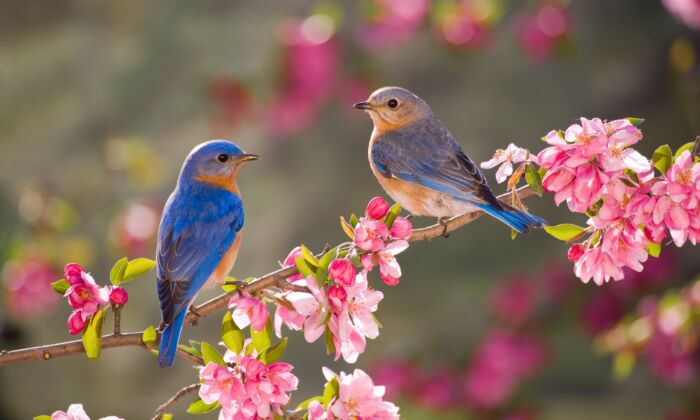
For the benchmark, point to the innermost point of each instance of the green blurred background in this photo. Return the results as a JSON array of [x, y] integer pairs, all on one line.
[[101, 102]]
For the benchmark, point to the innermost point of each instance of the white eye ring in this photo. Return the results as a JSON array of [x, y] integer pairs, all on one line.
[[392, 103]]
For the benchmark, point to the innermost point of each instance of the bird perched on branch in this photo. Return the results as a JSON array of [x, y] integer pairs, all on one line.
[[199, 234], [421, 166]]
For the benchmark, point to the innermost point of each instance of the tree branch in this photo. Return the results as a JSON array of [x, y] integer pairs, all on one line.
[[175, 398], [276, 279]]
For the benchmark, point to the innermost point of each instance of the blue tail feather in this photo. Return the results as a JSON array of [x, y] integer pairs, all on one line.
[[519, 220], [169, 340]]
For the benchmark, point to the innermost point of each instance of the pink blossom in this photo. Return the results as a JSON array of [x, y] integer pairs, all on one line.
[[669, 361], [687, 11], [77, 412], [337, 296], [342, 272], [248, 311], [118, 296], [539, 33], [597, 265], [87, 295], [267, 386], [370, 234], [506, 158], [401, 228], [289, 317], [575, 252], [318, 412], [28, 288], [389, 268], [377, 208], [219, 384], [359, 397], [313, 307], [356, 322], [73, 273], [76, 322]]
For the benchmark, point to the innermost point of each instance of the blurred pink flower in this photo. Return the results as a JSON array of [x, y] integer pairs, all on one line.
[[395, 22], [463, 30], [437, 390], [342, 272], [401, 228], [76, 322], [506, 158], [669, 361], [134, 230], [248, 310], [600, 312], [540, 32], [397, 376], [28, 287], [687, 11], [513, 301], [358, 397], [118, 296], [370, 234], [377, 208], [77, 412], [232, 100]]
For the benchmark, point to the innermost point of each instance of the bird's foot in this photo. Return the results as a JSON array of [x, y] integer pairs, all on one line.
[[162, 326], [443, 222], [239, 286], [193, 311]]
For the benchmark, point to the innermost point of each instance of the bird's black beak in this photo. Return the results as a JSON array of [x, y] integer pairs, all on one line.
[[246, 157], [362, 105]]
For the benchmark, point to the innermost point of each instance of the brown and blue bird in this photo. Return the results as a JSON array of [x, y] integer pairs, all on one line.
[[421, 166]]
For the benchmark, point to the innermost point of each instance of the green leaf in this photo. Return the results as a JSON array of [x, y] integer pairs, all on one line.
[[190, 350], [274, 353], [687, 146], [117, 273], [149, 335], [326, 260], [330, 391], [167, 416], [623, 364], [200, 407], [45, 417], [347, 228], [534, 180], [654, 249], [305, 269], [231, 334], [262, 339], [392, 214], [60, 286], [328, 339], [662, 158], [210, 354], [309, 256], [92, 336], [635, 121], [354, 220], [565, 232], [304, 405], [138, 267]]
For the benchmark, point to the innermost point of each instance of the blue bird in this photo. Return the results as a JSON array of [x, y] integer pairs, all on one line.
[[199, 234], [421, 166]]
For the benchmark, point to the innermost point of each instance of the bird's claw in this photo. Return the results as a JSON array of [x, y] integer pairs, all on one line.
[[239, 285], [193, 311], [443, 222]]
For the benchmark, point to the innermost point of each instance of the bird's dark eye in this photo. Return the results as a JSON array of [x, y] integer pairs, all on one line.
[[393, 103], [223, 157]]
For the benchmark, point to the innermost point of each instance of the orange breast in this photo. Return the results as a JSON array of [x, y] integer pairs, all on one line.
[[224, 268], [225, 182]]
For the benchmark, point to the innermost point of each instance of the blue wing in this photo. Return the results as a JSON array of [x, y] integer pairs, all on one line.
[[197, 229], [427, 154]]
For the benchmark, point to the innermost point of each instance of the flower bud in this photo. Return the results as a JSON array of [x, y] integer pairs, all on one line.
[[401, 229], [377, 208], [575, 252], [342, 272], [73, 273], [76, 323], [118, 296], [336, 297]]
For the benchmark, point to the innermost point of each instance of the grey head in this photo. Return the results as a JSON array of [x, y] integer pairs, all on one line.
[[393, 107]]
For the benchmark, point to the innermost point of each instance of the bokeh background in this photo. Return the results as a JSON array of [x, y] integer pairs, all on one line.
[[101, 101]]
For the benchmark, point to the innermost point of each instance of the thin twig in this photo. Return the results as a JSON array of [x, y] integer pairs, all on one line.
[[117, 311], [276, 279], [696, 147], [175, 398]]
